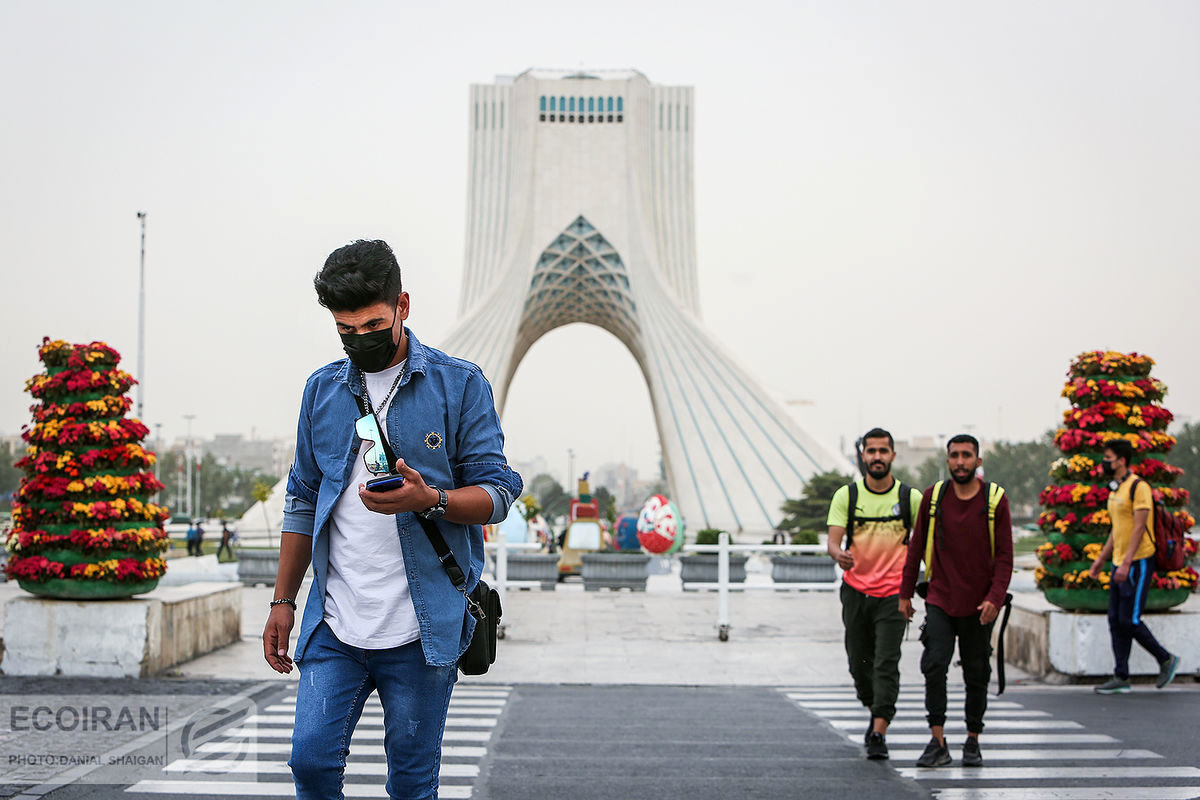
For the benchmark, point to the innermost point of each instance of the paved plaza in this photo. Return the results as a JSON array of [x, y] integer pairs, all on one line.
[[632, 695]]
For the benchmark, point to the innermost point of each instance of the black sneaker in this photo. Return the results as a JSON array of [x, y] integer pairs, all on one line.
[[1166, 671], [1113, 685], [877, 747], [870, 727], [971, 756], [936, 755]]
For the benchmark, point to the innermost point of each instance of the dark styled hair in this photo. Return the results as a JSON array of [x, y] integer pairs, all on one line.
[[358, 275], [1122, 449], [879, 433], [963, 438]]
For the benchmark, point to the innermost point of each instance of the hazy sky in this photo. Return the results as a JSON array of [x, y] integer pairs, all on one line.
[[910, 214]]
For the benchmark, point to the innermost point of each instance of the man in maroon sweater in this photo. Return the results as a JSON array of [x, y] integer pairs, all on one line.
[[966, 591]]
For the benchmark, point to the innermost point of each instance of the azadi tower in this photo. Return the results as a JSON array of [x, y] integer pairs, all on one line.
[[581, 209]]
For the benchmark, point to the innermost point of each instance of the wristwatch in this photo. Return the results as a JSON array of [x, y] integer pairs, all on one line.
[[438, 510]]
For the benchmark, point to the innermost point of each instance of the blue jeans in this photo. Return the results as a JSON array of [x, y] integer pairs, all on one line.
[[335, 681]]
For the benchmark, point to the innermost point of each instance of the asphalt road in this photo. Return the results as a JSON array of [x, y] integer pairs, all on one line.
[[691, 743]]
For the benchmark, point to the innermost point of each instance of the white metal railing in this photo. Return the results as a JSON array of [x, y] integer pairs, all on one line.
[[501, 546], [722, 586]]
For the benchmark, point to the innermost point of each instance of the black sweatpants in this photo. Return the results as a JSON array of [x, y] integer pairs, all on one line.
[[938, 634], [874, 631]]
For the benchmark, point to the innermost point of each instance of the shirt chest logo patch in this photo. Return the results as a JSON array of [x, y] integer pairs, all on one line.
[[433, 440], [896, 510]]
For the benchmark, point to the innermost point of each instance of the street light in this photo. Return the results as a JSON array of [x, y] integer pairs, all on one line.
[[141, 347], [157, 445], [187, 455]]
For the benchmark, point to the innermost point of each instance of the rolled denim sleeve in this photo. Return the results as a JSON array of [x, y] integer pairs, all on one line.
[[501, 502], [480, 448], [304, 478]]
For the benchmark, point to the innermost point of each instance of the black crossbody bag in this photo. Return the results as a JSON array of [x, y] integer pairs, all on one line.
[[483, 602]]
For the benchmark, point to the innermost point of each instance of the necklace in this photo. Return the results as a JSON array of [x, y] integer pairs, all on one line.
[[366, 396]]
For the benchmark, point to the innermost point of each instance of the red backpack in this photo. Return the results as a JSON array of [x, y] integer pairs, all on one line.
[[1170, 553]]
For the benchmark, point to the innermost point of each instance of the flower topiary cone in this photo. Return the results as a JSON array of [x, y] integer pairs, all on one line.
[[84, 526], [1112, 396]]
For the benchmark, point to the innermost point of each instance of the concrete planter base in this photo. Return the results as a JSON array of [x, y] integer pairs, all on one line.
[[1049, 642], [131, 638], [702, 568], [802, 569], [615, 571], [257, 566], [541, 567]]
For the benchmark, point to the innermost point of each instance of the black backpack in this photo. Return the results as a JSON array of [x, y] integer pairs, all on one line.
[[904, 516]]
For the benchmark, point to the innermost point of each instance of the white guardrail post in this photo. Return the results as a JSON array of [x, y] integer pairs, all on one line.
[[723, 587], [501, 547], [501, 566]]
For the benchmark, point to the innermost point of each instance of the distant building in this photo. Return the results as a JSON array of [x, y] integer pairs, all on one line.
[[530, 469], [620, 480]]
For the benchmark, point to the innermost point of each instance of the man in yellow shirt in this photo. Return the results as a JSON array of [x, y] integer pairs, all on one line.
[[877, 510], [1131, 546]]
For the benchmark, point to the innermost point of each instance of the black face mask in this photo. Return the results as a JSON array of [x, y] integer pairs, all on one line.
[[1109, 468], [371, 352]]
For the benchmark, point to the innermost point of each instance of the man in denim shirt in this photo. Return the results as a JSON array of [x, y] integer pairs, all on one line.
[[382, 614]]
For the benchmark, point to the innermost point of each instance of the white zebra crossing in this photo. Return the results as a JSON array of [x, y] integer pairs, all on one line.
[[1013, 769], [260, 744]]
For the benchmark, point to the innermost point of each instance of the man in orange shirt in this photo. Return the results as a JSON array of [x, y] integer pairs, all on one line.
[[1131, 546], [877, 510]]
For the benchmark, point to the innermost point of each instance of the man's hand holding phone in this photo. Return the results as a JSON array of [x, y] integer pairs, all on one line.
[[403, 490]]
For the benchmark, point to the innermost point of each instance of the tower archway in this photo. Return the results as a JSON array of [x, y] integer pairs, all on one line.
[[592, 222]]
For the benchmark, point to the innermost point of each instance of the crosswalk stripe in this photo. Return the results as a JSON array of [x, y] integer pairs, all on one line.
[[371, 721], [1071, 793], [854, 705], [993, 755], [373, 702], [858, 714], [273, 789], [276, 714], [375, 768], [360, 734], [992, 724], [1001, 738], [277, 748], [845, 695], [1042, 773]]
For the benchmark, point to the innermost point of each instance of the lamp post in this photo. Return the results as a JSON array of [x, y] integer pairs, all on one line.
[[187, 456], [157, 445], [141, 344], [570, 471]]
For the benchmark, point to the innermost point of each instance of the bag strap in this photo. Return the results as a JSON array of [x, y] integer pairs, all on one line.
[[851, 507], [1132, 492], [906, 508], [444, 554], [935, 502], [1008, 598]]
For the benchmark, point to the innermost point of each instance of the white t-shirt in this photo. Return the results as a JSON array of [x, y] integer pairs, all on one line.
[[367, 602]]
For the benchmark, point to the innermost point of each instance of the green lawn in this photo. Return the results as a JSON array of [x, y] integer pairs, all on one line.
[[207, 547], [1027, 544]]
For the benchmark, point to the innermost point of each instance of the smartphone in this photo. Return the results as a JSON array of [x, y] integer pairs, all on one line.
[[385, 484]]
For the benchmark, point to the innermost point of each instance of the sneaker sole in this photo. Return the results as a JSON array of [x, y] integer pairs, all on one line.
[[877, 757], [972, 763], [936, 764], [1123, 690]]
